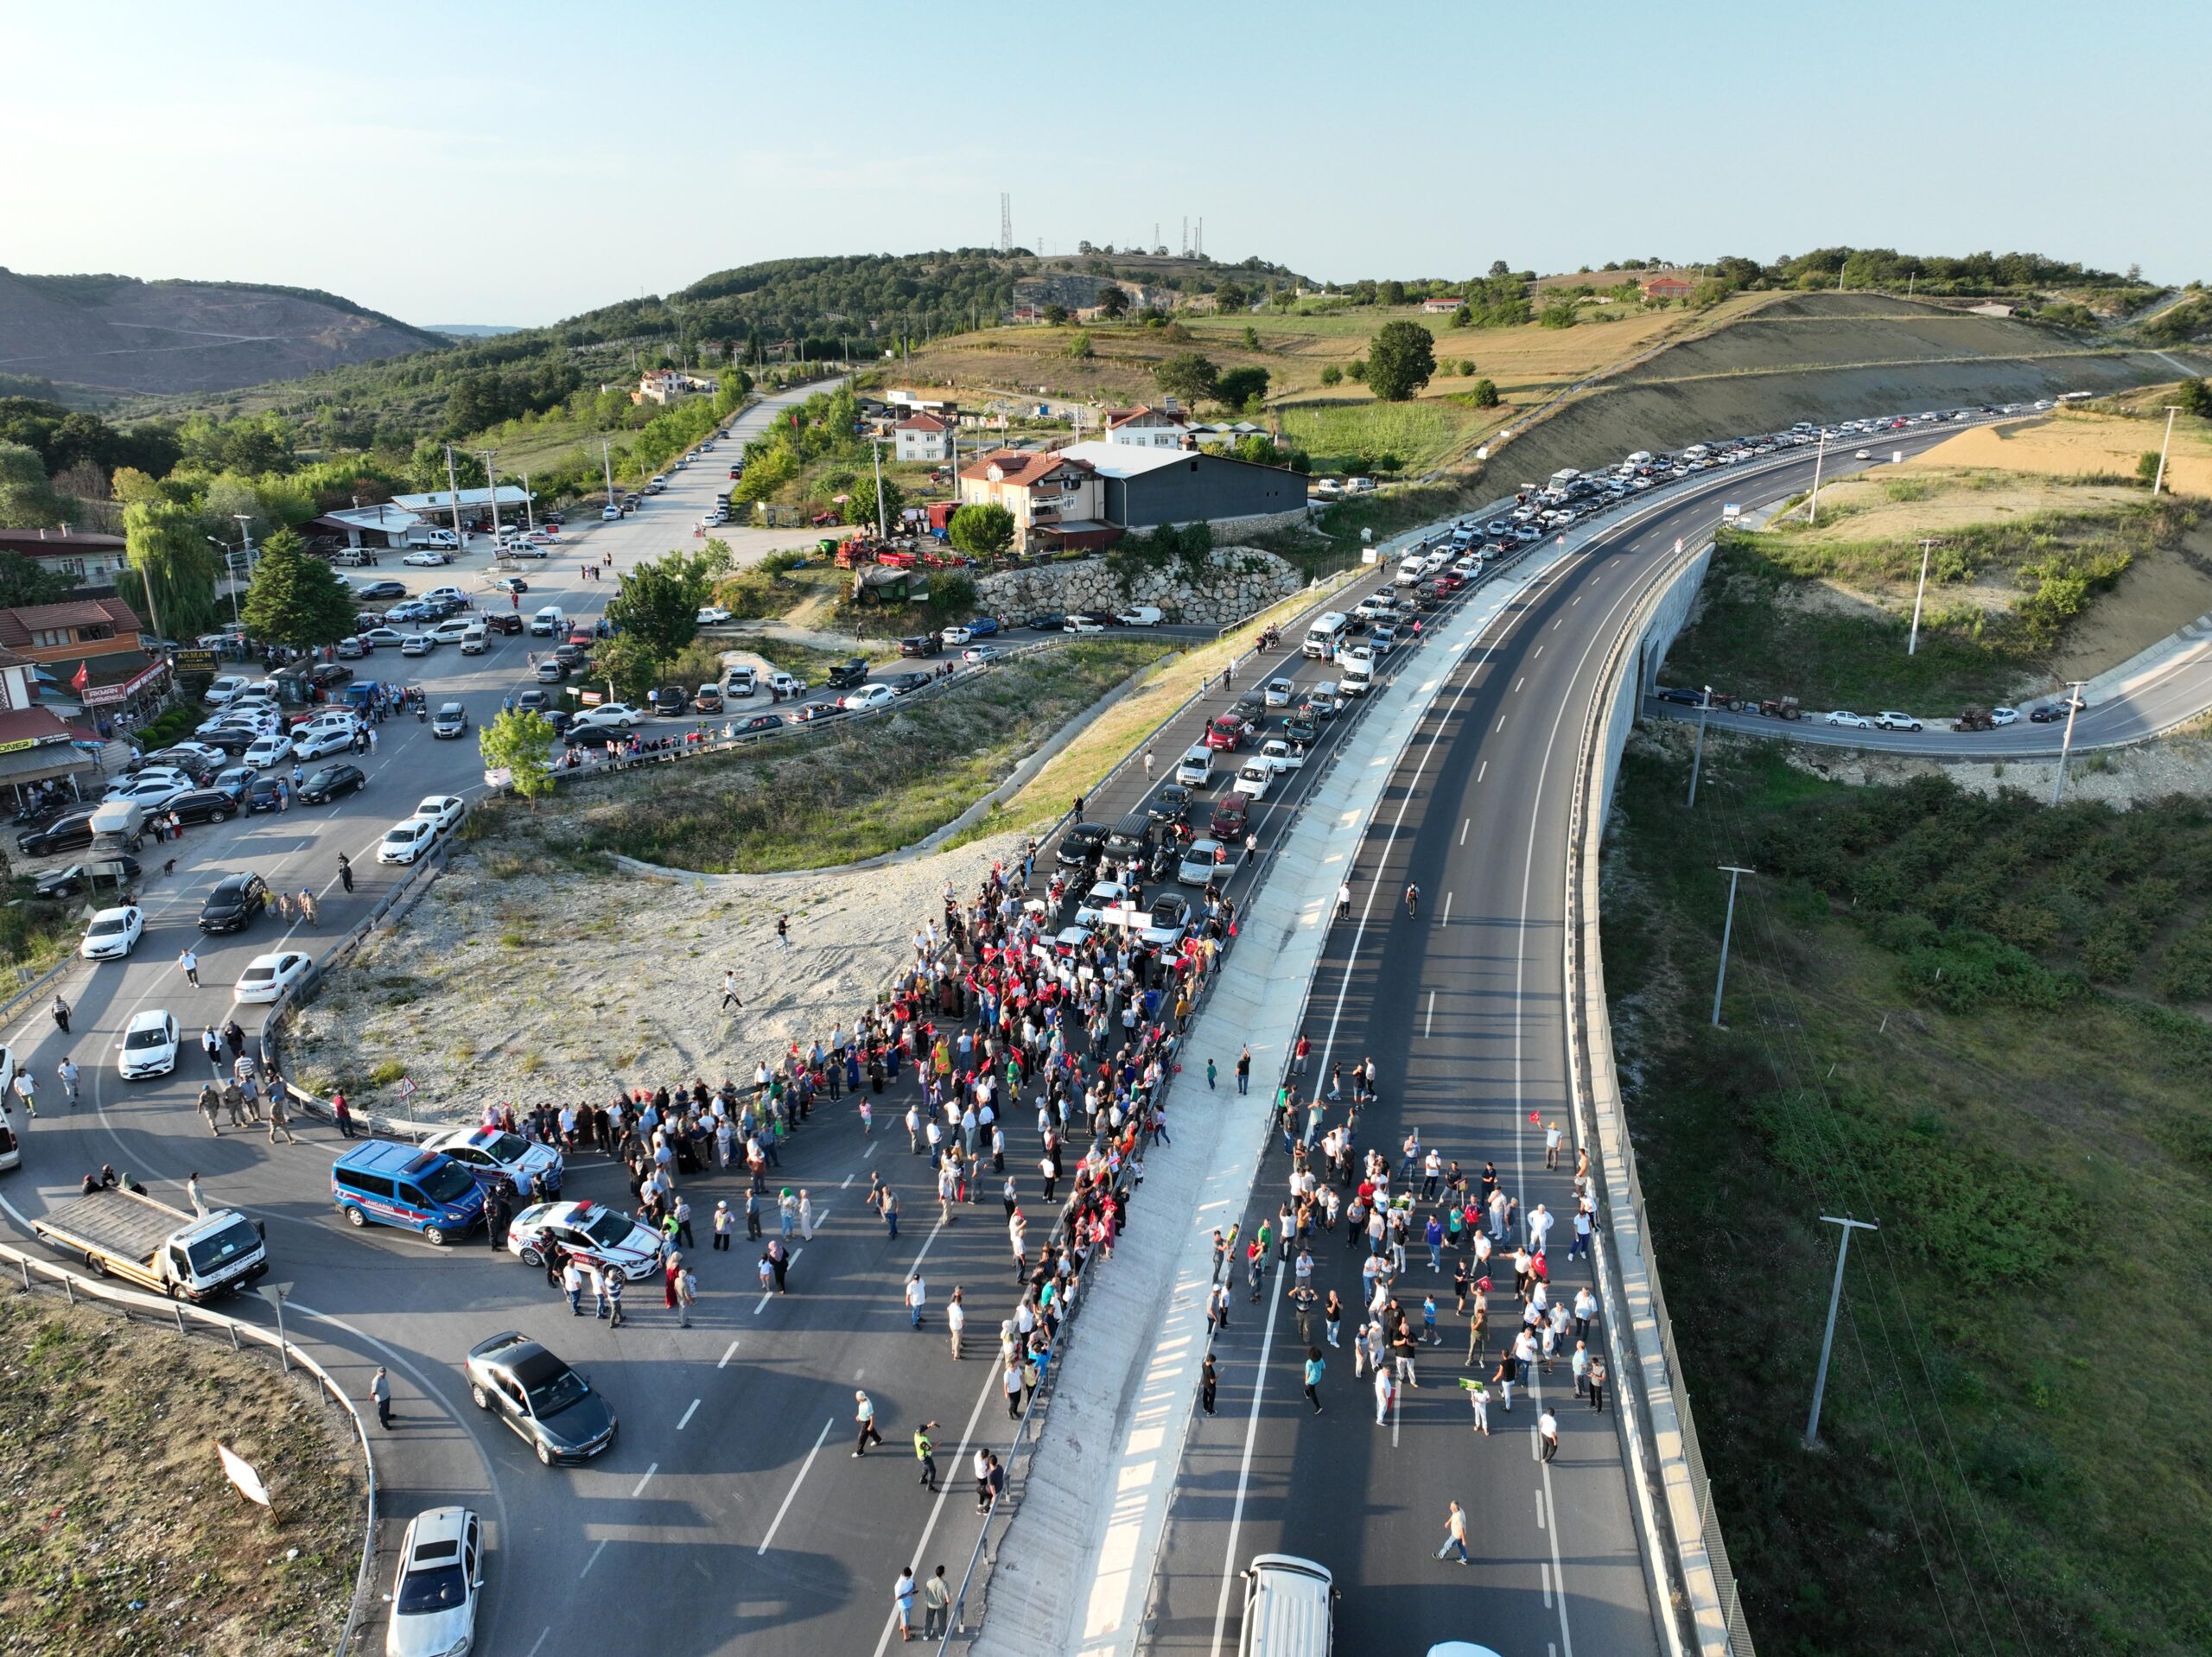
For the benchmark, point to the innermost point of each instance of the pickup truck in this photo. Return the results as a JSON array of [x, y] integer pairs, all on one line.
[[126, 1234]]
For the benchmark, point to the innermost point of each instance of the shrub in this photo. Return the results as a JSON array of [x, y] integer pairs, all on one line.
[[1332, 375], [2185, 974]]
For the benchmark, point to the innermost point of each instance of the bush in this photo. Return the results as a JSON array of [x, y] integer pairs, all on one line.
[[1332, 375]]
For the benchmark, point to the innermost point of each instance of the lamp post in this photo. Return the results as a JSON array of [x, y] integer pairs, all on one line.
[[1727, 931], [1828, 1340], [1697, 754], [225, 547], [2066, 742], [1820, 456], [490, 490], [1912, 644], [2165, 443], [274, 1293]]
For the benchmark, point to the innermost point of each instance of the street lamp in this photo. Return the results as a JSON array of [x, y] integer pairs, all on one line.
[[1727, 931], [1697, 755], [1912, 644], [227, 556], [2165, 443]]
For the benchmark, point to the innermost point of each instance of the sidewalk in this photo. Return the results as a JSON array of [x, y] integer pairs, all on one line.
[[1078, 1558]]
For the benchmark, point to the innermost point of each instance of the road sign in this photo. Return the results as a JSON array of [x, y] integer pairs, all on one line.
[[195, 661], [406, 1087], [240, 1472]]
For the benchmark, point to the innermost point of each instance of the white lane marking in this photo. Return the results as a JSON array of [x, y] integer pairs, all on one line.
[[1540, 650], [1518, 683], [1467, 824], [764, 1299], [727, 1355], [1479, 770], [990, 1390], [1244, 1469], [1447, 909], [803, 1469], [1544, 1575], [1397, 1411], [1501, 724], [1560, 622], [593, 1560], [1539, 1510], [688, 1414], [1428, 1027], [541, 1639], [640, 1489], [849, 1180]]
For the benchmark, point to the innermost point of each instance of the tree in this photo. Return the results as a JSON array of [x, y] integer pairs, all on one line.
[[657, 604], [1499, 268], [520, 741], [1252, 340], [1056, 315], [1399, 360], [172, 569], [2147, 464], [1332, 375], [1462, 317], [1080, 344], [629, 663], [981, 530], [1112, 301], [1558, 313], [26, 499], [1187, 375], [1485, 394], [2195, 398], [1240, 387], [1391, 293], [296, 599], [25, 582]]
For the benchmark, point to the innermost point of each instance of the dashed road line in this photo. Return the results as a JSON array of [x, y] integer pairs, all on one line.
[[688, 1414], [804, 1466]]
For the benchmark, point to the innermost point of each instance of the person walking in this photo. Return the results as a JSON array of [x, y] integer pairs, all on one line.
[[192, 1191], [780, 1262], [572, 1284], [864, 1420], [278, 1121], [380, 1395], [687, 1296], [1597, 1380], [1479, 1396], [27, 1090], [61, 1015], [1208, 1381], [1547, 1434], [729, 992], [783, 930], [723, 1222], [1455, 1534], [926, 1453], [1314, 1365], [891, 1214], [190, 962], [613, 1280], [1243, 1069], [341, 1114], [1385, 1391], [66, 1072], [345, 871]]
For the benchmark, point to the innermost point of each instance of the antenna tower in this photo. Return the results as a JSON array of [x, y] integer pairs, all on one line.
[[1006, 222]]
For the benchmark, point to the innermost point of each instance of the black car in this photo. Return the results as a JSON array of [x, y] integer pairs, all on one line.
[[1171, 805], [550, 1405], [82, 877], [845, 675], [204, 806], [670, 702], [1046, 621], [1686, 697], [192, 763], [65, 833], [503, 621], [235, 901], [573, 654], [920, 645], [1301, 728], [319, 787], [907, 683], [1080, 846], [263, 794], [558, 717], [232, 739], [382, 590], [760, 722]]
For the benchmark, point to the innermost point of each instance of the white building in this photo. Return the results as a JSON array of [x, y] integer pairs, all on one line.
[[923, 437], [1145, 427]]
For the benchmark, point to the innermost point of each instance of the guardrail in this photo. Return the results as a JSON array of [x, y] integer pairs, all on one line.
[[1689, 1556], [131, 1306]]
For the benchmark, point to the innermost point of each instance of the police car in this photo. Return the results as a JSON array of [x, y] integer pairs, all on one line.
[[487, 1152], [598, 1232]]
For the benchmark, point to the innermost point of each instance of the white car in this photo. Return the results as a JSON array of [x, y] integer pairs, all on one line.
[[404, 842], [604, 1235], [221, 693], [1280, 755], [1889, 719], [268, 976], [2004, 715], [441, 1580], [1195, 768], [1081, 625], [1278, 692], [869, 696], [714, 616], [149, 1046], [152, 792], [610, 514], [1103, 895], [443, 809], [113, 934], [607, 716], [488, 1152], [417, 644], [427, 558], [1857, 721], [980, 653], [454, 629], [1253, 779], [266, 751], [318, 740], [1863, 455], [541, 537], [958, 636]]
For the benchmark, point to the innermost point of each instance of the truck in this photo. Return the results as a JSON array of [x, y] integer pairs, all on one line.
[[421, 536], [117, 826], [126, 1234], [1732, 514]]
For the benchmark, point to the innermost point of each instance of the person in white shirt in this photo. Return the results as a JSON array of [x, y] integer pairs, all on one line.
[[955, 1321], [917, 1299]]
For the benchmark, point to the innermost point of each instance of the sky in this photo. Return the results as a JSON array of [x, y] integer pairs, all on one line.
[[516, 163]]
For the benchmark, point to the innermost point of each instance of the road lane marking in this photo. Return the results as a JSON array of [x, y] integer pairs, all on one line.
[[541, 1639], [1539, 1510], [640, 1489], [1447, 909], [1465, 825], [1479, 770], [1244, 1468], [849, 1180], [1544, 1575], [1517, 684], [688, 1414], [804, 1468], [593, 1560], [1501, 724], [727, 1355], [1540, 650], [1429, 1027], [990, 1390]]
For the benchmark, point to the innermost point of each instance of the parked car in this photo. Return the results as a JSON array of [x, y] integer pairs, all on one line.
[[1889, 719], [112, 934], [329, 783], [670, 701], [1080, 846], [758, 722], [1845, 716], [268, 976]]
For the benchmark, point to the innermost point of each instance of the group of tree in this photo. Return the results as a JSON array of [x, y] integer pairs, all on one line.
[[1193, 378]]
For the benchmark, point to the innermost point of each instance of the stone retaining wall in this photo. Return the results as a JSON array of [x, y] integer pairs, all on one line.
[[1238, 581]]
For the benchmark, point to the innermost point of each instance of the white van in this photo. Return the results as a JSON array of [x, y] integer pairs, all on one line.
[[549, 622], [1290, 1608], [1358, 665], [428, 534], [1327, 633], [1195, 769]]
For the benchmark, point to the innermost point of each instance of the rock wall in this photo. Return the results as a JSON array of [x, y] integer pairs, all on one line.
[[1238, 581]]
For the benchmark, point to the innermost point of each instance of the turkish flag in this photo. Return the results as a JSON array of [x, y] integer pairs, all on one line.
[[84, 678]]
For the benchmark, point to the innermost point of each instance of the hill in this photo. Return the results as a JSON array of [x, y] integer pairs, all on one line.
[[119, 334]]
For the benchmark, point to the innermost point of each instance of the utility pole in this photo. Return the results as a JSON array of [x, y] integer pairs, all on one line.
[[452, 496], [1912, 643], [2066, 742], [1819, 454], [606, 461], [875, 450], [491, 489], [1697, 754], [2159, 482], [1727, 931], [1828, 1339], [530, 518]]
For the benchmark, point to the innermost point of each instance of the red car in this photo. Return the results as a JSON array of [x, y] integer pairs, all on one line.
[[1228, 821], [1226, 734]]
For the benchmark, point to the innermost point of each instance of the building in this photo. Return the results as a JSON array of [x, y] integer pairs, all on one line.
[[904, 402], [1145, 427], [1054, 500], [1442, 304], [1667, 287], [923, 437], [87, 559], [1143, 488], [94, 647], [35, 745], [384, 526], [666, 385], [438, 506]]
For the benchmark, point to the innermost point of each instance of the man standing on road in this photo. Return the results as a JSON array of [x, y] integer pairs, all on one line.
[[190, 962], [1455, 1534], [864, 1418], [926, 1453], [937, 1606], [381, 1394], [345, 871], [955, 1321], [1547, 1434], [902, 1599], [67, 1073], [917, 1298], [1245, 1071]]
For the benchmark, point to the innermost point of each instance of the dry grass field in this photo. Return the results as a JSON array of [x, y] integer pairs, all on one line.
[[2083, 444]]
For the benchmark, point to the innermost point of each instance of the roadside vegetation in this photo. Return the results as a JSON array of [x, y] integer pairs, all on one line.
[[1980, 1023], [1824, 612], [811, 801], [121, 1532]]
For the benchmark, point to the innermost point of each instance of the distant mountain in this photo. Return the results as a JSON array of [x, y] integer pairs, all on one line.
[[473, 330], [119, 334]]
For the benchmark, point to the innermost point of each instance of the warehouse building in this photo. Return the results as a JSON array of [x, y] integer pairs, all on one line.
[[1143, 488]]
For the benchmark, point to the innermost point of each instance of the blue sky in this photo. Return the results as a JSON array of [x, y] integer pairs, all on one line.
[[513, 164]]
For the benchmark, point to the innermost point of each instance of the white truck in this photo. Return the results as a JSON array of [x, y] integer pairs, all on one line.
[[117, 826], [421, 536], [127, 1234]]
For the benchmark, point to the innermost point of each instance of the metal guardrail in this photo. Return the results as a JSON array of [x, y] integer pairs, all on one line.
[[131, 1306]]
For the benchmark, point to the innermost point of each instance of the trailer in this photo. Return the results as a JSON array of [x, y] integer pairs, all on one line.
[[128, 1235]]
